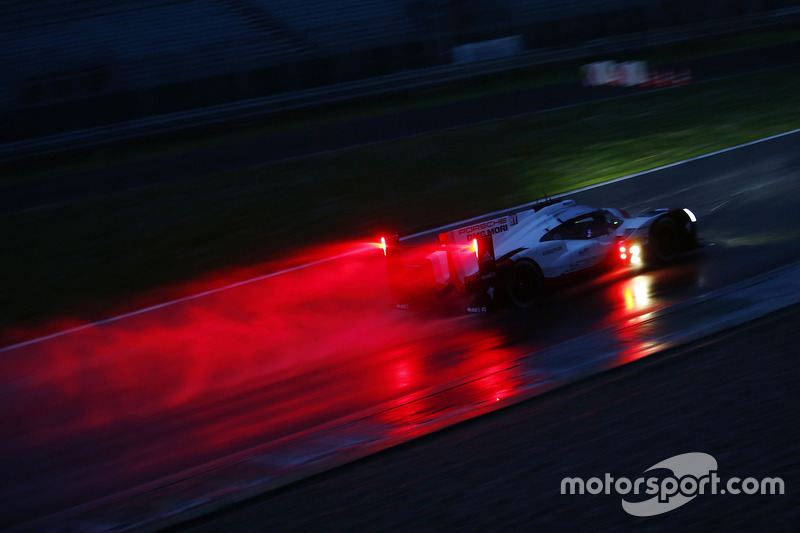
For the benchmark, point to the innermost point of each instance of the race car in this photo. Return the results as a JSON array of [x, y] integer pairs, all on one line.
[[514, 258]]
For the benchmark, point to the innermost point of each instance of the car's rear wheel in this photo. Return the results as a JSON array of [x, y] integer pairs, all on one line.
[[665, 239], [524, 284]]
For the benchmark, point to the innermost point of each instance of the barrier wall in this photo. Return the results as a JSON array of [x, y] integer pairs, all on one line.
[[97, 94]]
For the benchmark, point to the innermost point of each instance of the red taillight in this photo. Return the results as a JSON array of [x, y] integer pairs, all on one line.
[[475, 247], [383, 245]]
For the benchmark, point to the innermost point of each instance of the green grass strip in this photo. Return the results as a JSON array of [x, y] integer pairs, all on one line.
[[515, 80]]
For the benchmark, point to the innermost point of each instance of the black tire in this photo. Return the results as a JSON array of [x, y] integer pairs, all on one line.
[[665, 240], [524, 284]]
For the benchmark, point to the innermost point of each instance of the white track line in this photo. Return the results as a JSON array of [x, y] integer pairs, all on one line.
[[178, 300], [434, 230], [609, 182]]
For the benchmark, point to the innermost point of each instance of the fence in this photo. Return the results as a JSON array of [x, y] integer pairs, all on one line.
[[72, 122]]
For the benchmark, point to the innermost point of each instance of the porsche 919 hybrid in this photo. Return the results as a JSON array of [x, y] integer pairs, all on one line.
[[514, 258]]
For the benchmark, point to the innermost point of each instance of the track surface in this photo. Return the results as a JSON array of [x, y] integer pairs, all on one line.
[[114, 406], [733, 396]]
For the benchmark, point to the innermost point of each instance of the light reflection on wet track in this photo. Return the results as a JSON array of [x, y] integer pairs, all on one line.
[[163, 391]]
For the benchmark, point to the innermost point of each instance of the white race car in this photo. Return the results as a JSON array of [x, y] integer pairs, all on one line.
[[513, 258]]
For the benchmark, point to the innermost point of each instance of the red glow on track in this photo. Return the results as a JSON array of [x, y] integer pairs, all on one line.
[[247, 338], [91, 311], [173, 387], [233, 338]]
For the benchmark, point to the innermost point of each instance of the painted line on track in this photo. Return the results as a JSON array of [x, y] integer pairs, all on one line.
[[340, 256], [611, 181], [177, 300]]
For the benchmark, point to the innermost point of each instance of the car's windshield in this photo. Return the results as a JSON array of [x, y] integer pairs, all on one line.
[[612, 219]]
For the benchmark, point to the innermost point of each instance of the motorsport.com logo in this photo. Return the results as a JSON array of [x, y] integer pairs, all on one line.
[[693, 474]]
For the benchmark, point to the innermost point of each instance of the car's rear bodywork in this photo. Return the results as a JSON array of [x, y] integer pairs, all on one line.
[[513, 257]]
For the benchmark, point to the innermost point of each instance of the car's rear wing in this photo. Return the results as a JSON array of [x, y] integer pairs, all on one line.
[[419, 272], [501, 228]]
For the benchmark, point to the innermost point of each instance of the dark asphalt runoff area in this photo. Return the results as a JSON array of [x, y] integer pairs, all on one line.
[[733, 396], [334, 137]]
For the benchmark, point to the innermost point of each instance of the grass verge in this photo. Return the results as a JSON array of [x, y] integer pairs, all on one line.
[[516, 80], [123, 244]]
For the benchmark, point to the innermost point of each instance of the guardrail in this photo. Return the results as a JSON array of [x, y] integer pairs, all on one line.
[[402, 81]]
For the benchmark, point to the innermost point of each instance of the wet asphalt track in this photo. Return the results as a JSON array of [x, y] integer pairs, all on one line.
[[115, 406], [733, 396]]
